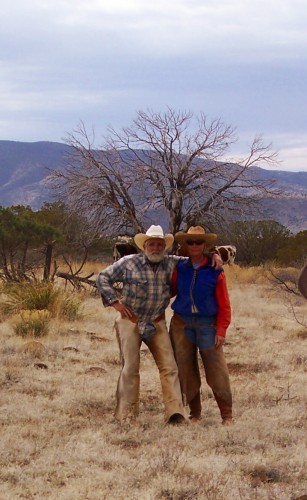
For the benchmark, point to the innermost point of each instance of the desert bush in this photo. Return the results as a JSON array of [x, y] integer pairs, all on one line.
[[260, 474], [301, 334], [37, 297], [67, 305], [28, 296], [244, 275], [31, 323]]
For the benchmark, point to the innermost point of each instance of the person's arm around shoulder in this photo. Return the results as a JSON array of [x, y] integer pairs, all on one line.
[[216, 260]]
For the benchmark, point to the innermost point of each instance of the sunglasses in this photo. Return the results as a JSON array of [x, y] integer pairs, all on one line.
[[195, 242]]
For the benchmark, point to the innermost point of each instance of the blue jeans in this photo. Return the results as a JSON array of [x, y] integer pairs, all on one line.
[[200, 331]]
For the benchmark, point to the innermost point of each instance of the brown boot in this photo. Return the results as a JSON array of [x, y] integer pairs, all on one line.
[[228, 422]]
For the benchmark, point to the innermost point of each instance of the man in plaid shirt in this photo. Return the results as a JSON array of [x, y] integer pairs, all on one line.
[[146, 292]]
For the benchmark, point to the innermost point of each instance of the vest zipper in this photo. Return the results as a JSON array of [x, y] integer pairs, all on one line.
[[193, 305]]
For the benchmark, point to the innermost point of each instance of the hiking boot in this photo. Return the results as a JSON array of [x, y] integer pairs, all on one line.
[[228, 422], [194, 420]]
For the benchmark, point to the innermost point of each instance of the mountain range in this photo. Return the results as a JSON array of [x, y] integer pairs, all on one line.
[[24, 170]]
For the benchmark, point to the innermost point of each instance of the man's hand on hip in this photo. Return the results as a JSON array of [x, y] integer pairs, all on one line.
[[123, 310]]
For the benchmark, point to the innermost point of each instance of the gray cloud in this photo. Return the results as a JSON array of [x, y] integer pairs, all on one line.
[[100, 61]]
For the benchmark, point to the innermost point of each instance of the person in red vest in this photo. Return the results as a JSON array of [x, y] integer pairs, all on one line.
[[202, 314]]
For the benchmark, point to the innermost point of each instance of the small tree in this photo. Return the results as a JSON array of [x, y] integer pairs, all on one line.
[[294, 252], [20, 234], [258, 241], [168, 167]]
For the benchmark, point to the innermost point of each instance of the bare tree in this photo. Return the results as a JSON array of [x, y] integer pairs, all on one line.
[[171, 164]]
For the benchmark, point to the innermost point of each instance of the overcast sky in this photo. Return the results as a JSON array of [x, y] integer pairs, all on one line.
[[100, 61]]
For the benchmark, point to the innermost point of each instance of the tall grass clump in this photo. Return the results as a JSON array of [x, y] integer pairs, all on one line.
[[32, 323], [28, 296], [245, 275], [67, 305], [43, 296]]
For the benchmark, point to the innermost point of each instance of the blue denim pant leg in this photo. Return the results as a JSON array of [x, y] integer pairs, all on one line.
[[200, 331]]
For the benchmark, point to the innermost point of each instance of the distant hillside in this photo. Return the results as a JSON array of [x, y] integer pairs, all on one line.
[[290, 207], [24, 171]]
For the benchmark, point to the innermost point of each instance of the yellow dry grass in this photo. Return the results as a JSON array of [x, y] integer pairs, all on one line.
[[59, 439]]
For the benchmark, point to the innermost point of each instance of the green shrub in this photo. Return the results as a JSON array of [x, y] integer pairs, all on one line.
[[29, 296], [67, 306], [31, 323], [39, 297]]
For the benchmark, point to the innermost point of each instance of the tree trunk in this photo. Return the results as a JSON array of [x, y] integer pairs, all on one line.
[[48, 257]]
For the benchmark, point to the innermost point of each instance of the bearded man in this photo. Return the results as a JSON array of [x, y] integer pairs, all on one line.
[[146, 292]]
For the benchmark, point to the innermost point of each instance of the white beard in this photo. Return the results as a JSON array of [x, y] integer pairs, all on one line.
[[155, 258]]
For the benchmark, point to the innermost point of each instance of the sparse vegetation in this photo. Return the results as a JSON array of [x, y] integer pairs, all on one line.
[[33, 243], [31, 323], [31, 296], [17, 297], [60, 439]]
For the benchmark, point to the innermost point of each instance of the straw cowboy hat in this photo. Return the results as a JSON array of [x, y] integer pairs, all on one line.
[[302, 282], [195, 233], [153, 232]]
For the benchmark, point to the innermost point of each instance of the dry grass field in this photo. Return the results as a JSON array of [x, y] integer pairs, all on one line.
[[59, 439]]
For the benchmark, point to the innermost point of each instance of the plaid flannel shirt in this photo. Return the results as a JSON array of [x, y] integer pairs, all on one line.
[[146, 289]]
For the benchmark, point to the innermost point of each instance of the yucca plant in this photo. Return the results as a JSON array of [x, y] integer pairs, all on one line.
[[38, 297], [31, 296], [67, 305], [30, 323]]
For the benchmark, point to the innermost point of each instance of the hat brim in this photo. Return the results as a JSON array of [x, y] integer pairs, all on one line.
[[182, 238], [302, 282], [140, 239]]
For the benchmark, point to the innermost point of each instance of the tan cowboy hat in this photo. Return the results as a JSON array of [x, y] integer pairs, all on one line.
[[195, 233], [302, 282], [154, 232]]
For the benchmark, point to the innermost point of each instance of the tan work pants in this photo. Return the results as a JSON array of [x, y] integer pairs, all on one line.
[[215, 366], [128, 387]]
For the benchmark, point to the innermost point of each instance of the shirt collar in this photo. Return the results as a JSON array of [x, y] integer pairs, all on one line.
[[204, 262]]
